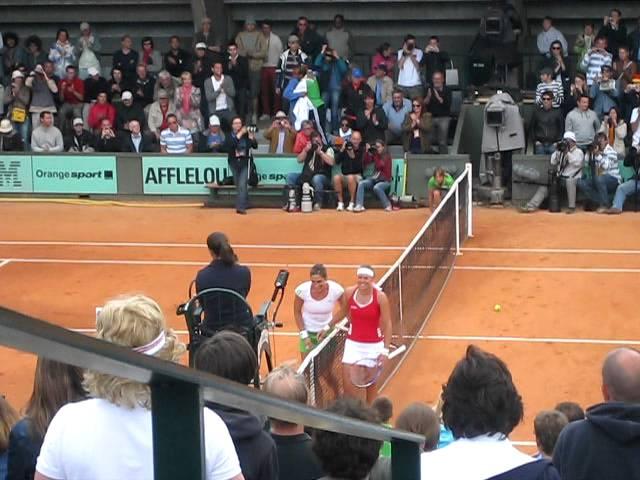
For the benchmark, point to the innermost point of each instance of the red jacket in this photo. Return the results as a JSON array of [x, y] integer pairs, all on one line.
[[382, 163], [100, 111]]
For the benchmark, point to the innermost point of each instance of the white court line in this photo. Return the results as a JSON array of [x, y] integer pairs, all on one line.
[[178, 263], [552, 250], [5, 262], [498, 268], [200, 246], [524, 444]]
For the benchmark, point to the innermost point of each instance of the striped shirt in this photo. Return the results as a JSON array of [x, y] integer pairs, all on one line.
[[554, 87], [593, 63], [176, 142], [607, 162]]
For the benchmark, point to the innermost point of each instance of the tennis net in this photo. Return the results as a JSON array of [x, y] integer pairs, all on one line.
[[413, 285]]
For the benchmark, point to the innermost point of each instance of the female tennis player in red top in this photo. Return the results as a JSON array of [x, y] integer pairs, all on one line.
[[367, 309]]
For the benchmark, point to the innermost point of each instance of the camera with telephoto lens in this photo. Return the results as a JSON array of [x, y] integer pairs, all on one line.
[[252, 129], [562, 146]]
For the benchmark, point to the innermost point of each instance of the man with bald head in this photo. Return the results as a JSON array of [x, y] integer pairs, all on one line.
[[295, 457], [606, 445]]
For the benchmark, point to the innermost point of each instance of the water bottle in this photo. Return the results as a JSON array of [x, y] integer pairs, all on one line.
[[307, 201], [292, 200]]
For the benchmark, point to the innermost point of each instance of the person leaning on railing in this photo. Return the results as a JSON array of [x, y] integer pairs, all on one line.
[[110, 435]]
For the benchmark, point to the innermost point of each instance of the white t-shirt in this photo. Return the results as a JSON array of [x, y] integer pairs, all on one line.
[[316, 314], [97, 440], [221, 100], [409, 75]]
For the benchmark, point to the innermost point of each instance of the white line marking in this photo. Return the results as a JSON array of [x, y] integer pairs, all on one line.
[[551, 250], [497, 268], [200, 246], [178, 263], [5, 262], [578, 341], [524, 444]]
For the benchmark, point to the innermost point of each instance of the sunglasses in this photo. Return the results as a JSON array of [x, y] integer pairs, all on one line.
[[416, 105], [556, 48], [546, 99]]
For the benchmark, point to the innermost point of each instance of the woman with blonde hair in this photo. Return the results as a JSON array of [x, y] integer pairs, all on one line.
[[55, 384], [187, 102], [110, 435]]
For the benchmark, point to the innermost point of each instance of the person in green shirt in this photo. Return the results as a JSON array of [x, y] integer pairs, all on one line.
[[438, 185], [384, 410]]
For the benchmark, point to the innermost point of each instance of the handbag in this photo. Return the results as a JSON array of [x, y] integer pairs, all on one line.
[[252, 172], [451, 78], [18, 115]]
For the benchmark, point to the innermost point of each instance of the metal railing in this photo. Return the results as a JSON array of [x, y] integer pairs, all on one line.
[[178, 393]]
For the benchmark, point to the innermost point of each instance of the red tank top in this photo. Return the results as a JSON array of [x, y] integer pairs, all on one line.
[[365, 320]]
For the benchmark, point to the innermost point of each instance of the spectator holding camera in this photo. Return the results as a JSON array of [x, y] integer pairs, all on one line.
[[281, 134], [604, 92], [317, 161], [409, 58], [438, 104], [583, 122], [615, 129], [605, 175], [547, 126], [593, 61], [331, 72], [380, 180], [434, 59], [43, 87], [614, 31], [351, 160], [106, 139], [238, 145], [416, 128], [567, 162], [371, 120]]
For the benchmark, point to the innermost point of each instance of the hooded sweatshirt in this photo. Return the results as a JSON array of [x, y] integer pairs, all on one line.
[[255, 448], [606, 445]]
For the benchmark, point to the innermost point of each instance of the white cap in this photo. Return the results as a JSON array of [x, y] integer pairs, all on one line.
[[127, 95], [17, 74], [214, 120], [280, 114], [201, 45], [92, 71], [569, 136], [77, 121], [5, 126], [84, 26]]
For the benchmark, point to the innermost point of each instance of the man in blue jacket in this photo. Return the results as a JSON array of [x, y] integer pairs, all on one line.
[[607, 443]]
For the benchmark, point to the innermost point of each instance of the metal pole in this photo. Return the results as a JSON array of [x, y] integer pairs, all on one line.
[[457, 206], [405, 460], [469, 167], [178, 438]]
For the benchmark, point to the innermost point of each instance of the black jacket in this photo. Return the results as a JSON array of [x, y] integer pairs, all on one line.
[[371, 132], [538, 470], [11, 142], [606, 445], [182, 60], [78, 143], [93, 87], [143, 91], [437, 109], [242, 145], [547, 126], [295, 457], [125, 114], [255, 448], [352, 166], [107, 145], [126, 144], [239, 72], [127, 63]]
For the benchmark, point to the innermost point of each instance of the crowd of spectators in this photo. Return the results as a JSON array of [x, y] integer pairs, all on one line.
[[71, 414]]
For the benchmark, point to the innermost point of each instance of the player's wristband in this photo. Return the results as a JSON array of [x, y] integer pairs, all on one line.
[[304, 334], [385, 352]]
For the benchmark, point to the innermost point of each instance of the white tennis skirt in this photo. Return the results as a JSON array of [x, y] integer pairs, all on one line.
[[357, 351]]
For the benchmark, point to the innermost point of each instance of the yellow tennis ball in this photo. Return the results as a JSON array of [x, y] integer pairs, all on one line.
[[497, 307]]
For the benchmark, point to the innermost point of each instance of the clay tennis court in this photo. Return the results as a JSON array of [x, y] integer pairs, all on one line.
[[566, 284]]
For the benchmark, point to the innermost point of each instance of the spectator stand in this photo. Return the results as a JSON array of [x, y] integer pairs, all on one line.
[[178, 393]]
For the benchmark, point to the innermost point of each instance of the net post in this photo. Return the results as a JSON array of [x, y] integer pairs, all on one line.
[[468, 167], [457, 207], [401, 306]]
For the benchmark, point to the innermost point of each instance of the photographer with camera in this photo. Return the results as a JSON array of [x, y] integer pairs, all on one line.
[[630, 187], [317, 161], [380, 180], [238, 145], [604, 92], [605, 175], [351, 160], [281, 134], [566, 164], [409, 58], [331, 71]]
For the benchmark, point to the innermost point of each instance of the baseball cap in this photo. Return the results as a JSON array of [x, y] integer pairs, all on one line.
[[77, 121], [17, 74], [127, 95], [357, 73], [214, 121], [201, 45], [280, 114], [92, 71], [569, 136], [5, 126]]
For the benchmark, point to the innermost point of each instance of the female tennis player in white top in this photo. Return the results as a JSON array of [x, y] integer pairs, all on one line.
[[369, 337], [313, 307]]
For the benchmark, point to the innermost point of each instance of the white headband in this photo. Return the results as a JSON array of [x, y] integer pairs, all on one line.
[[365, 271], [154, 346]]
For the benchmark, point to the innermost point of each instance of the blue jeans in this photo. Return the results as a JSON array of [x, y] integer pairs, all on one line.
[[544, 148], [331, 100], [23, 129], [623, 191], [379, 187], [319, 183], [240, 179], [605, 184]]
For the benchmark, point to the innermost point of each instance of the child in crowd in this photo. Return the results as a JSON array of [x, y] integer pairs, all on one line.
[[384, 409]]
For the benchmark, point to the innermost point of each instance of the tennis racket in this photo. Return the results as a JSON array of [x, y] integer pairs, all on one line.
[[365, 372]]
